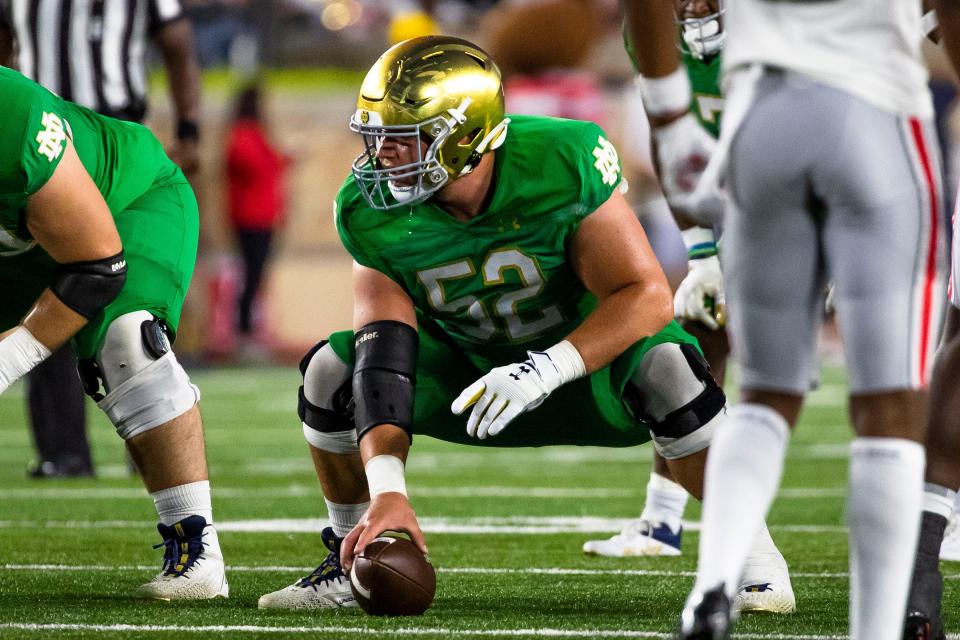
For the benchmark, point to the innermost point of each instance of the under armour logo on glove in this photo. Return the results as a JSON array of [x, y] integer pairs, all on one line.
[[506, 392], [522, 369]]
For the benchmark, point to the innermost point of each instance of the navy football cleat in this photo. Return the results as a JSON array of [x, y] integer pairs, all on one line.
[[328, 587], [707, 617], [639, 538], [192, 563]]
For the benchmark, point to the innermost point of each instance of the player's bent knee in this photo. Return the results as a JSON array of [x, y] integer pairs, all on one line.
[[326, 400], [673, 391], [145, 385]]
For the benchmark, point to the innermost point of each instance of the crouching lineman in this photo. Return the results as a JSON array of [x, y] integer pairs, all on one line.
[[98, 239], [493, 265]]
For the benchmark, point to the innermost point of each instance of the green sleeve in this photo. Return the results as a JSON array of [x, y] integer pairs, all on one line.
[[44, 138], [598, 164], [345, 206]]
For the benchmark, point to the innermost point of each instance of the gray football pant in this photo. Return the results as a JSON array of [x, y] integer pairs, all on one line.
[[826, 187]]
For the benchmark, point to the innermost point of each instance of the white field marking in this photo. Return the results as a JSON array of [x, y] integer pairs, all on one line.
[[526, 459], [402, 631], [297, 491], [546, 571], [523, 525]]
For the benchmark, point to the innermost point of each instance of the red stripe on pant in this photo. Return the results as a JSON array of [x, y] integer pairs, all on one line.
[[930, 277]]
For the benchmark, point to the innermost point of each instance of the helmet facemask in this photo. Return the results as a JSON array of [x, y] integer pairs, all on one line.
[[427, 173], [703, 36], [438, 101]]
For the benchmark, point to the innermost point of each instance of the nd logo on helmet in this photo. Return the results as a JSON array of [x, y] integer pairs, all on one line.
[[364, 117]]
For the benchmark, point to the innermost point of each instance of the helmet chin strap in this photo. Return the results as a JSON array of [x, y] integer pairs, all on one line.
[[490, 142]]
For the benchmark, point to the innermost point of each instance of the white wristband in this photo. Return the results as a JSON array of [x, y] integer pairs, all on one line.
[[668, 94], [700, 242], [385, 474], [567, 360], [19, 353]]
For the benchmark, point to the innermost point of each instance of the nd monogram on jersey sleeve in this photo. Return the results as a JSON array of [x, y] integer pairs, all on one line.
[[500, 283], [123, 159]]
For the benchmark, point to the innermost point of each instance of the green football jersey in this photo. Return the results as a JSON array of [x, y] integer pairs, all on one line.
[[707, 101], [501, 283], [122, 158]]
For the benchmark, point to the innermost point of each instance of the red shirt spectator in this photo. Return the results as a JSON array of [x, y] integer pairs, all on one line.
[[255, 177]]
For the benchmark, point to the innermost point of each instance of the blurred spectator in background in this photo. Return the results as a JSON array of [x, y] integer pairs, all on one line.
[[540, 46], [217, 24], [255, 184], [93, 54]]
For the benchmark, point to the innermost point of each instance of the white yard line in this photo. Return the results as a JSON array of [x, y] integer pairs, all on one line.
[[297, 491], [516, 525], [547, 571], [399, 631]]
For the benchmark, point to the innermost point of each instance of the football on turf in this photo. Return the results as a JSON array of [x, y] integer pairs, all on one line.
[[392, 578]]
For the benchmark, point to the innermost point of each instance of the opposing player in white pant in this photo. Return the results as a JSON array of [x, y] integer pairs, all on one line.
[[833, 173]]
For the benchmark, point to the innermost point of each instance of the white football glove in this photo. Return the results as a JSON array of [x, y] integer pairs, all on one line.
[[700, 296], [683, 150], [506, 392]]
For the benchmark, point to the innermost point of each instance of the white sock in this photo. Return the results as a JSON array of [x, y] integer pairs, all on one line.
[[883, 510], [939, 499], [176, 503], [344, 517], [666, 502], [743, 473]]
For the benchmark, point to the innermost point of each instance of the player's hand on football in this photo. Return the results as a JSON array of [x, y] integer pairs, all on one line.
[[700, 296], [683, 149], [506, 392], [390, 511]]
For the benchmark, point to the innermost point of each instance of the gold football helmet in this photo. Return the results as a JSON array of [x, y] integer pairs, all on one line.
[[443, 92]]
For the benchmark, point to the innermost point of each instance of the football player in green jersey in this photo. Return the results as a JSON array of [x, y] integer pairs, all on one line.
[[98, 238], [700, 38], [505, 295]]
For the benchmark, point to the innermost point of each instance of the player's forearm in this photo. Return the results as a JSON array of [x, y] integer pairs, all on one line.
[[651, 28], [46, 328], [620, 320], [52, 322]]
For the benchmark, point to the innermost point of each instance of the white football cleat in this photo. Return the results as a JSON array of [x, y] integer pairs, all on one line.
[[328, 587], [639, 538], [765, 582], [950, 547], [192, 564]]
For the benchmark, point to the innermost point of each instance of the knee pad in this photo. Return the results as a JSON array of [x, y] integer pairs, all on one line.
[[325, 403], [145, 386], [674, 393]]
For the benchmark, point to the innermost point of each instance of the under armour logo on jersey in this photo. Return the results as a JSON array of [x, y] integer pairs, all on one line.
[[51, 137], [608, 163]]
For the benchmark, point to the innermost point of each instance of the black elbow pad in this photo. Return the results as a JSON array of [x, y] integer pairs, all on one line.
[[87, 287], [384, 375]]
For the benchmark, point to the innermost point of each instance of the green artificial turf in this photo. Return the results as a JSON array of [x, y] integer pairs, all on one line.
[[94, 536]]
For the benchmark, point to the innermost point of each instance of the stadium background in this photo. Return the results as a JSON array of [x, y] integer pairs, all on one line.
[[505, 528]]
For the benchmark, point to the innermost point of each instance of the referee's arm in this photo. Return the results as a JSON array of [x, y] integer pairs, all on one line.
[[175, 39], [6, 41]]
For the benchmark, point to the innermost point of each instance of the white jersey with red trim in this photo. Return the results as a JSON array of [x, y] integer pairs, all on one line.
[[868, 48]]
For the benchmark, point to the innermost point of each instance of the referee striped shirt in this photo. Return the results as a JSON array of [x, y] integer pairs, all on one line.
[[89, 51]]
